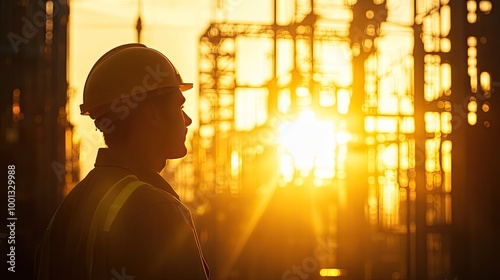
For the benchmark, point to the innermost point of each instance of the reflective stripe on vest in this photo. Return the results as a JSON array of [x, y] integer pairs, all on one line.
[[44, 265], [112, 212]]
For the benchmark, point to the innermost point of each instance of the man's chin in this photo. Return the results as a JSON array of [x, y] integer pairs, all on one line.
[[180, 153]]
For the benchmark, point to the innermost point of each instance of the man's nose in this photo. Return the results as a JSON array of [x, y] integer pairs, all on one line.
[[187, 119]]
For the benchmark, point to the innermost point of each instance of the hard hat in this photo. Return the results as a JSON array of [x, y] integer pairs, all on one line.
[[126, 71]]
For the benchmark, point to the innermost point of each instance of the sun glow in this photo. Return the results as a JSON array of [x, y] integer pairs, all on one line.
[[308, 147]]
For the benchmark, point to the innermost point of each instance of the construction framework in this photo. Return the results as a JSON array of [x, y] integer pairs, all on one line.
[[395, 172]]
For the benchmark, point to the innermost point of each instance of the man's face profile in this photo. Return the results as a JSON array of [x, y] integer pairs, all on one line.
[[171, 123]]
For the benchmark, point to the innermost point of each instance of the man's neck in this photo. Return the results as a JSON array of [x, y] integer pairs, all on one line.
[[140, 155]]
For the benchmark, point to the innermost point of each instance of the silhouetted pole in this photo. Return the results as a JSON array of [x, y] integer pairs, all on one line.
[[138, 25]]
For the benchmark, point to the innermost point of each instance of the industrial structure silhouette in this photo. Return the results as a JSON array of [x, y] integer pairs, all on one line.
[[406, 186]]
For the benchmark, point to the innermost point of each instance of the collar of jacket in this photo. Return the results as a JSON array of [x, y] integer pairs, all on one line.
[[106, 157]]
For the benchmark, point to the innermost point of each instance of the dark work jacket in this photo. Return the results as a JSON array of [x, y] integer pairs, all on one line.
[[122, 221]]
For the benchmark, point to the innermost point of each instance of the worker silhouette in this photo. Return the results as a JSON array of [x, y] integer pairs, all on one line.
[[124, 220]]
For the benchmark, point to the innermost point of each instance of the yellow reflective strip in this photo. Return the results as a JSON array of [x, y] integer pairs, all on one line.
[[118, 203], [93, 224]]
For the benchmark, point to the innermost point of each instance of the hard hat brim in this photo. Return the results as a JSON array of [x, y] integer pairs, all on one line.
[[185, 86]]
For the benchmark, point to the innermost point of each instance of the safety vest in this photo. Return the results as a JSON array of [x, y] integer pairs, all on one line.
[[104, 215]]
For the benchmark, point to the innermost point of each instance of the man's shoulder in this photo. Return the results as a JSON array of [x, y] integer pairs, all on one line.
[[146, 194], [95, 185], [103, 177], [141, 201]]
